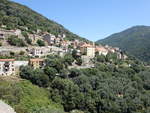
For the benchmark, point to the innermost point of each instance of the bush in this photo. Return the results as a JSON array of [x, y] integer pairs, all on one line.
[[40, 42], [15, 41], [1, 44], [27, 98], [21, 53], [36, 76], [68, 59], [51, 72], [79, 61]]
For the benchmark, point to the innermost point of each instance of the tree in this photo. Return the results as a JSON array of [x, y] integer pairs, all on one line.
[[79, 61], [27, 39], [21, 53], [100, 58], [39, 78], [74, 73], [15, 41], [1, 44], [56, 63], [68, 59], [145, 76], [69, 93], [40, 42], [74, 54], [51, 72], [36, 76]]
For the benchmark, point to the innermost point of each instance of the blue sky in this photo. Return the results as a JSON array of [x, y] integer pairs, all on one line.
[[93, 19]]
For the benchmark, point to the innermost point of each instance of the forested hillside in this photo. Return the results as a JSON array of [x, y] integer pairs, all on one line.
[[112, 86], [135, 41], [15, 15]]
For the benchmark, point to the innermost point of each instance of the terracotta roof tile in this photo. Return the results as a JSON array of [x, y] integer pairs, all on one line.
[[5, 60], [36, 59]]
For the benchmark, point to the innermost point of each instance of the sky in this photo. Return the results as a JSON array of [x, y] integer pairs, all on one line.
[[93, 19]]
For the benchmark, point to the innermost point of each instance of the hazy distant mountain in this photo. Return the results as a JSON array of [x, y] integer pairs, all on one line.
[[135, 40]]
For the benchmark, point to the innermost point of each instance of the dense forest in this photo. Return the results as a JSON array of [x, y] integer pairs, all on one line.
[[135, 41], [112, 86], [14, 15]]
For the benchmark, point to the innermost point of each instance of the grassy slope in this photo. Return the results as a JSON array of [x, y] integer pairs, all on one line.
[[27, 98]]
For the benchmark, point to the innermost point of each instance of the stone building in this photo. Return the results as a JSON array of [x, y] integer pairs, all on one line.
[[101, 51], [40, 51], [36, 52], [7, 67], [36, 63], [49, 38], [88, 50]]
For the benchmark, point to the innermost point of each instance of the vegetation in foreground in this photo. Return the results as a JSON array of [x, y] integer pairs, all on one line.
[[27, 98], [112, 86]]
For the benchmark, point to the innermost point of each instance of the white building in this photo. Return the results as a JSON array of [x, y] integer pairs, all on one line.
[[40, 51], [102, 51], [18, 64], [7, 67], [88, 50], [17, 32]]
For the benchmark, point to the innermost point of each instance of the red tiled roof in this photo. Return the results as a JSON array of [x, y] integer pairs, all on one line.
[[36, 59], [101, 49], [5, 60], [86, 45]]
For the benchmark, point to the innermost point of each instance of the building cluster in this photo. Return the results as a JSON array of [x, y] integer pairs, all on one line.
[[56, 45], [52, 39], [11, 66]]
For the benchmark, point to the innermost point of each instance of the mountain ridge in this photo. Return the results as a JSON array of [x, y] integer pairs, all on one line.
[[15, 15], [134, 40]]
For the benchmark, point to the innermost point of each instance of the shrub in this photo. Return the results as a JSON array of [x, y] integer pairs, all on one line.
[[40, 42], [15, 41], [1, 44]]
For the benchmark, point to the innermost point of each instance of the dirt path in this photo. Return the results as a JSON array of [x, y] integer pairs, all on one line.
[[5, 108]]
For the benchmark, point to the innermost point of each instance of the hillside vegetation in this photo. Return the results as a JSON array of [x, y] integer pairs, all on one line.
[[112, 86], [28, 98], [135, 41], [14, 15]]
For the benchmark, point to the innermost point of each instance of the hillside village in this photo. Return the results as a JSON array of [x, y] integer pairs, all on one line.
[[53, 45], [46, 68]]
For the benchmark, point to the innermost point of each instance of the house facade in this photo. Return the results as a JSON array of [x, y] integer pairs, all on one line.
[[7, 67], [36, 63], [39, 51], [101, 51], [88, 50]]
